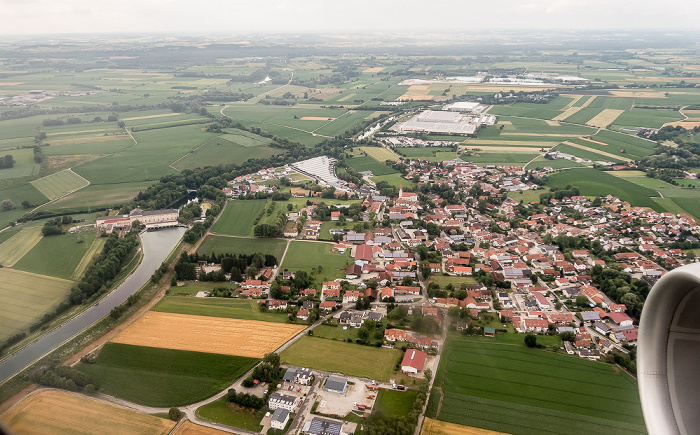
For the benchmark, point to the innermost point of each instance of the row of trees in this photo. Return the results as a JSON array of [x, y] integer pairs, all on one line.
[[105, 267], [66, 378]]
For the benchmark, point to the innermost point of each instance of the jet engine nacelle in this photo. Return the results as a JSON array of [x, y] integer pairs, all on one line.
[[668, 353]]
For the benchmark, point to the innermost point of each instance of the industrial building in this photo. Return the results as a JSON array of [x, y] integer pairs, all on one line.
[[445, 122]]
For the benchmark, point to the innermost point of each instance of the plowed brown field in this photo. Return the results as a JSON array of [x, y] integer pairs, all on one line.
[[251, 338]]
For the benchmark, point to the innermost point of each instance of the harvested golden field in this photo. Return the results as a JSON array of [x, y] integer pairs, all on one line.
[[685, 124], [189, 428], [552, 123], [59, 412], [419, 87], [436, 427], [316, 118], [597, 151], [593, 141], [605, 118], [628, 174], [568, 112], [151, 116], [251, 338], [638, 94], [416, 97], [375, 69]]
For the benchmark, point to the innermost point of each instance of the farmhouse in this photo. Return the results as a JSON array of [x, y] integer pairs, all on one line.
[[336, 384], [413, 361], [279, 419]]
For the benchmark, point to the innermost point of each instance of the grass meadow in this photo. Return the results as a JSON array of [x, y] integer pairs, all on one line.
[[223, 412], [164, 377], [367, 163], [237, 245], [57, 256], [395, 402], [306, 256], [533, 391], [238, 218], [332, 356]]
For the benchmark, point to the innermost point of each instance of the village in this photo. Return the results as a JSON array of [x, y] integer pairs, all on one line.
[[484, 251]]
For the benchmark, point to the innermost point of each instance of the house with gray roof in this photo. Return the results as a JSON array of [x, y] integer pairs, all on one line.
[[279, 419]]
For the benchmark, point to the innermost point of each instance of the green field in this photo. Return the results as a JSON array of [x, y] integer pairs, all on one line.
[[110, 195], [395, 402], [690, 205], [310, 255], [534, 391], [230, 148], [456, 281], [237, 245], [424, 152], [367, 163], [164, 377], [395, 180], [223, 412], [332, 356], [218, 307], [499, 158], [149, 159], [25, 192], [592, 182], [56, 185], [15, 247], [238, 218], [26, 297], [56, 256]]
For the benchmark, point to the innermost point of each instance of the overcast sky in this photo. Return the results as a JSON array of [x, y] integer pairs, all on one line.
[[280, 16]]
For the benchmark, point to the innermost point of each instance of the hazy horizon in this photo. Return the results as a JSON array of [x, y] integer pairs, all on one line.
[[78, 17]]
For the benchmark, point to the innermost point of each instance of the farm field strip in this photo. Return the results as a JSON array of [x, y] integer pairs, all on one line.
[[245, 309], [605, 118], [13, 249], [249, 338], [59, 184], [597, 151], [568, 112], [61, 412], [95, 247]]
